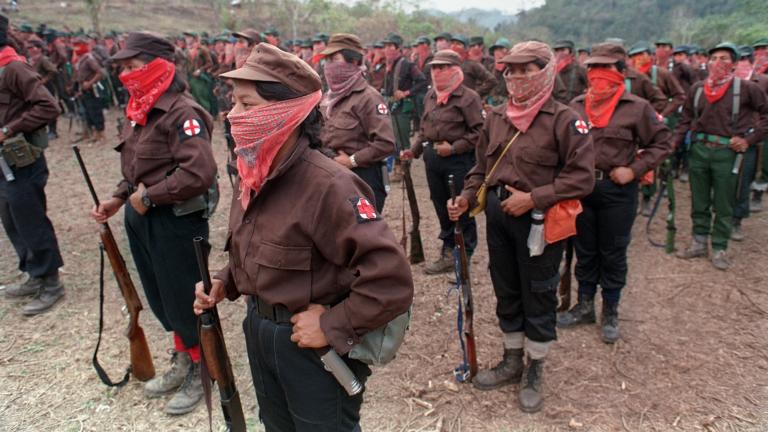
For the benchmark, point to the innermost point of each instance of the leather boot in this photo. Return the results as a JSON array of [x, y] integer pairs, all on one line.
[[582, 313], [508, 371], [444, 264], [720, 260], [51, 291], [172, 379], [610, 322], [696, 249], [28, 288], [530, 397], [189, 394]]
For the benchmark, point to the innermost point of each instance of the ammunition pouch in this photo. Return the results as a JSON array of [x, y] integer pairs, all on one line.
[[18, 152], [378, 347]]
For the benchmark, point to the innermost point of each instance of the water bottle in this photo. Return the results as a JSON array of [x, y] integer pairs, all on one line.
[[536, 243]]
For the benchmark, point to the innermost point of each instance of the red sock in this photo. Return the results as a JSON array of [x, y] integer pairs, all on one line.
[[194, 352]]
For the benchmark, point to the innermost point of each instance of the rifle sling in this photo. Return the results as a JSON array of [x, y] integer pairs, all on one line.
[[100, 370]]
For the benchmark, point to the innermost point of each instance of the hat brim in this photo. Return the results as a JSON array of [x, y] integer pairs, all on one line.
[[242, 35], [125, 53], [601, 60], [247, 74], [442, 62], [518, 59], [334, 48]]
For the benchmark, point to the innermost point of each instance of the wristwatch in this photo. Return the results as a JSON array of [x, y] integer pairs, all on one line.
[[6, 131], [145, 200], [352, 161]]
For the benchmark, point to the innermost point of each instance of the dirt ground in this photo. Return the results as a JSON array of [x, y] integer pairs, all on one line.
[[693, 354]]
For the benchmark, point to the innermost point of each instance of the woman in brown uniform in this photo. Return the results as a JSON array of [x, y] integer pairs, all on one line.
[[319, 265], [357, 131], [550, 160], [168, 167], [450, 126]]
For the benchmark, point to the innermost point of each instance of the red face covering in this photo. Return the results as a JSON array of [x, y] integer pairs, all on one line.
[[499, 54], [719, 79], [662, 57], [642, 63], [146, 85], [564, 58], [8, 55], [422, 51], [528, 93], [761, 61], [259, 134], [475, 53], [81, 49], [342, 77], [605, 89], [446, 80]]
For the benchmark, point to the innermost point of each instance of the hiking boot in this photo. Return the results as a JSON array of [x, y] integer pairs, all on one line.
[[530, 390], [720, 260], [28, 288], [645, 207], [737, 234], [610, 322], [172, 378], [508, 371], [696, 249], [51, 291], [189, 394], [582, 313], [444, 264], [756, 204]]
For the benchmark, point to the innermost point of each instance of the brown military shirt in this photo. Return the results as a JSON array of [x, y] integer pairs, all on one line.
[[87, 68], [458, 122], [171, 154], [574, 79], [25, 104], [477, 78], [761, 81], [311, 235], [634, 126], [45, 68], [554, 160], [360, 125], [685, 75], [669, 86], [715, 119], [640, 85]]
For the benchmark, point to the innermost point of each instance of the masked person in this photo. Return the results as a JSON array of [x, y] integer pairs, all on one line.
[[571, 73], [319, 265], [27, 109], [760, 73], [357, 132], [622, 124], [450, 126], [168, 167], [88, 74], [726, 115], [498, 95], [537, 155], [476, 76]]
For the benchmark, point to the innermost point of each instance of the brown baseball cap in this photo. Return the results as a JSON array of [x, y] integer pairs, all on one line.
[[252, 35], [340, 41], [446, 57], [606, 53], [269, 63], [145, 43], [526, 52]]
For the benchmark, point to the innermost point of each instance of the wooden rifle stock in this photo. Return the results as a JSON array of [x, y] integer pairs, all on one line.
[[417, 249], [466, 290], [141, 359], [564, 290], [216, 364]]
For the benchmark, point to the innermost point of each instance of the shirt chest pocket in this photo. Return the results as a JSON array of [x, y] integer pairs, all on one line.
[[276, 267], [615, 145], [345, 122], [154, 149]]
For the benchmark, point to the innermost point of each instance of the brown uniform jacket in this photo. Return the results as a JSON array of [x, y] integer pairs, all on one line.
[[45, 68], [685, 75], [304, 240], [458, 122], [574, 78], [635, 125], [477, 78], [669, 86], [25, 104], [171, 154], [715, 119], [87, 68], [360, 125], [554, 160], [761, 81], [640, 85]]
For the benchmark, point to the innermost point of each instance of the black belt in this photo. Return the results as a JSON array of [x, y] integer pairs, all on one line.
[[601, 175], [275, 313], [501, 191]]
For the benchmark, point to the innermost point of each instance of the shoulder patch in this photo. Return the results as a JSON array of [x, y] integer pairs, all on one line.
[[484, 114], [382, 109], [581, 127], [190, 128], [364, 210], [659, 117]]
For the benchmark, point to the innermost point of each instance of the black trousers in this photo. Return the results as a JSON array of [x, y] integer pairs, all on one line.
[[604, 233], [161, 245], [525, 287], [373, 177], [293, 389], [438, 169], [94, 114], [22, 210]]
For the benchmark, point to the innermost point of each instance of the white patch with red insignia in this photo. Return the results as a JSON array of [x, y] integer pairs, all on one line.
[[191, 127], [364, 210], [660, 118], [581, 127], [382, 109]]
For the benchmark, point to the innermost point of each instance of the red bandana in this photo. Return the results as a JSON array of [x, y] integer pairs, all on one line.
[[342, 77], [563, 60], [761, 61], [719, 79], [446, 81], [460, 50], [662, 58], [259, 134], [527, 94], [475, 53], [8, 55], [643, 64], [605, 89], [422, 52], [316, 58], [146, 85]]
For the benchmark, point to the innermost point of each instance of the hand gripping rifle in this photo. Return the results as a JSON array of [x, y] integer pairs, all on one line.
[[141, 360], [468, 369], [216, 365], [417, 250]]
